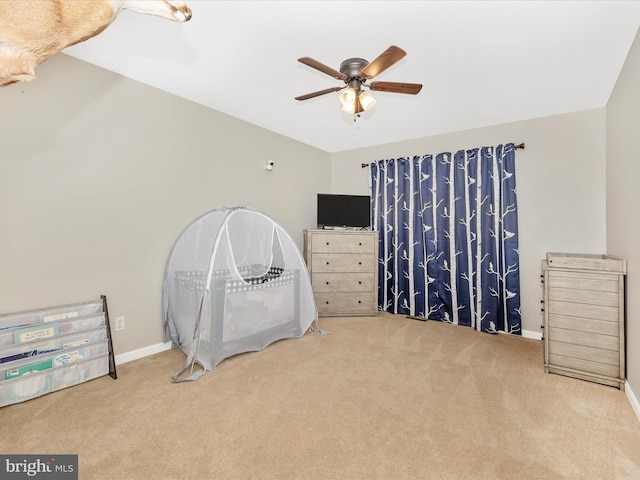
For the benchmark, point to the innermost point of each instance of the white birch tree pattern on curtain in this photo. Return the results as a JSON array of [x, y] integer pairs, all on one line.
[[448, 228]]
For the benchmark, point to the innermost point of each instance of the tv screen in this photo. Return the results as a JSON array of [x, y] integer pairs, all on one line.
[[344, 210]]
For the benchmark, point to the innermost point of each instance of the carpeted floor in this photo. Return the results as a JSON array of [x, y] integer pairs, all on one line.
[[382, 397]]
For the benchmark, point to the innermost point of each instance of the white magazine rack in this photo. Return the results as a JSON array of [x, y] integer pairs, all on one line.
[[49, 349]]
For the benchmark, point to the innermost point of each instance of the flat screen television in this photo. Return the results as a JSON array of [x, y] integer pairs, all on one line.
[[344, 210]]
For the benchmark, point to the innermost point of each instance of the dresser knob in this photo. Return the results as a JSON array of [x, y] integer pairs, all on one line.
[[327, 263], [359, 301], [359, 283], [327, 283], [327, 303], [327, 243], [359, 263]]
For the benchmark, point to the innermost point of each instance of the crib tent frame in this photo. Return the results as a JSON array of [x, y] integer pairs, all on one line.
[[234, 282]]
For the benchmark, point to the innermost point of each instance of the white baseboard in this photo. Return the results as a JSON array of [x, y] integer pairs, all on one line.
[[161, 347], [635, 405], [142, 352], [531, 334]]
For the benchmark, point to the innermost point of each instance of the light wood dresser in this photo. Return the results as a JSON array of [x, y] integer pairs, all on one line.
[[343, 269], [584, 317]]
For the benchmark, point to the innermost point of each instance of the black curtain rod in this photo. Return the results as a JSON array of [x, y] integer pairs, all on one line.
[[521, 145]]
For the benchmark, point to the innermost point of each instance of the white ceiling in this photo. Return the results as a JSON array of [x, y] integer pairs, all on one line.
[[481, 62]]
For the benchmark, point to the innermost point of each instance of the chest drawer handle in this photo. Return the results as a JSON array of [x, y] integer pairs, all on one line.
[[327, 243], [327, 302], [359, 263], [359, 283], [327, 283], [359, 301], [327, 263]]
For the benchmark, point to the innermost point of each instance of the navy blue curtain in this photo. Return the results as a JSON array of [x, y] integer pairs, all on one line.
[[449, 237]]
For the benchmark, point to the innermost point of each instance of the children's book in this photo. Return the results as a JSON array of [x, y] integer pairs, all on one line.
[[36, 332], [27, 369]]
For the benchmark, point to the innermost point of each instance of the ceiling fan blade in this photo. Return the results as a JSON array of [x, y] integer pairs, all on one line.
[[323, 68], [390, 56], [318, 93], [396, 87]]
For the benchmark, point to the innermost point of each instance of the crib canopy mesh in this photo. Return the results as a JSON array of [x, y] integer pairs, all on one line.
[[234, 282]]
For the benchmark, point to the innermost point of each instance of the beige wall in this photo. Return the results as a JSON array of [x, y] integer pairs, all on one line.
[[99, 174], [560, 182], [623, 195]]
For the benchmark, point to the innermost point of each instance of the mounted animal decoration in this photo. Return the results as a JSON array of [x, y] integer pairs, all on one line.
[[32, 31]]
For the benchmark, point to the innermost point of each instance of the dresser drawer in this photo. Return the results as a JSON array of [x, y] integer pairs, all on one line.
[[330, 262], [586, 325], [598, 312], [582, 352], [595, 282], [587, 297], [361, 303], [342, 282], [558, 362], [343, 243], [589, 339]]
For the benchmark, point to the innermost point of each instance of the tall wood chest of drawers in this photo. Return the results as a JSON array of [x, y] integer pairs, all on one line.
[[584, 317], [343, 269]]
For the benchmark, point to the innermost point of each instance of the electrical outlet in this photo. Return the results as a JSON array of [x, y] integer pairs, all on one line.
[[119, 323]]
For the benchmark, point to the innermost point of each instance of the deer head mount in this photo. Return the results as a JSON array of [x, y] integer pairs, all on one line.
[[33, 31]]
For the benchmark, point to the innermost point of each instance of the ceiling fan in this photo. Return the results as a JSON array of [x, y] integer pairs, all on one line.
[[355, 72]]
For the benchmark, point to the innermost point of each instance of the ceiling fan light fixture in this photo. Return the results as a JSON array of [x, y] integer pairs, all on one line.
[[348, 98], [366, 100], [348, 107]]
